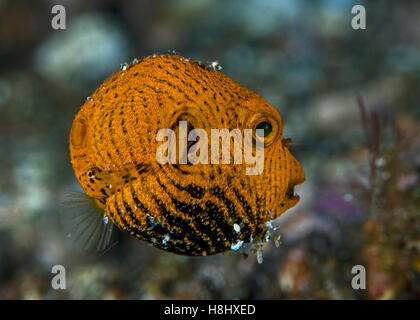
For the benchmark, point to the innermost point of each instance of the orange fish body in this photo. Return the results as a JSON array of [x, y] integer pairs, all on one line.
[[199, 209]]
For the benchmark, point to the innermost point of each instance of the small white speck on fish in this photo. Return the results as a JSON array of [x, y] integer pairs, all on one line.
[[260, 255], [165, 239], [211, 65], [237, 228], [214, 65], [277, 241], [237, 245], [267, 236]]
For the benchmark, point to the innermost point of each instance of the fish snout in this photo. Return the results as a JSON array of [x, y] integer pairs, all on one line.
[[297, 177]]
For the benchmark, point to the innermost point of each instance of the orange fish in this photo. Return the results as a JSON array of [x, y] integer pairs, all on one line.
[[189, 209]]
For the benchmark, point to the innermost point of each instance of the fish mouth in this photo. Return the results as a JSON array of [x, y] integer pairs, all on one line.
[[291, 193], [297, 179]]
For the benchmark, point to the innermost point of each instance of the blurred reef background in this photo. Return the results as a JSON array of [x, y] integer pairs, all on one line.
[[350, 100]]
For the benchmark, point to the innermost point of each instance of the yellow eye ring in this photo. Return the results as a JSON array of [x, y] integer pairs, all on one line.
[[270, 125]]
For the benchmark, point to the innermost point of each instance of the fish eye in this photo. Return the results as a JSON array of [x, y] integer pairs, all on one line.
[[266, 126], [269, 128]]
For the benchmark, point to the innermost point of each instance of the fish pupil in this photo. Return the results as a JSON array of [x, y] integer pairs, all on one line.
[[266, 126]]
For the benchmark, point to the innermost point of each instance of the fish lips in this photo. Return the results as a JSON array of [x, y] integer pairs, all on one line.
[[291, 195]]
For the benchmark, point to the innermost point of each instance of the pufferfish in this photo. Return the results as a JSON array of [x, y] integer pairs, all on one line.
[[195, 210]]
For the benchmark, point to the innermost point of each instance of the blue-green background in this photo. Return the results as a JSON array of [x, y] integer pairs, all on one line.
[[305, 59]]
